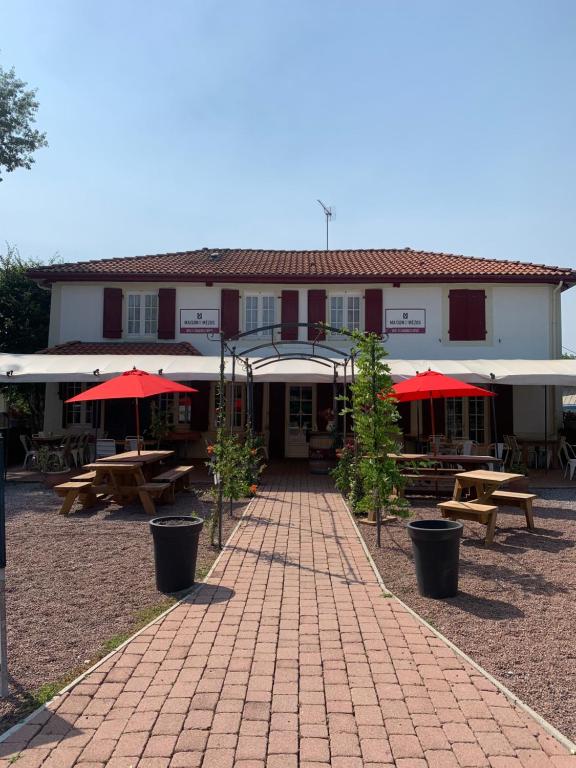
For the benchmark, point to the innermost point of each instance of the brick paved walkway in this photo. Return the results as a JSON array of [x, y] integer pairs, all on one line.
[[290, 656]]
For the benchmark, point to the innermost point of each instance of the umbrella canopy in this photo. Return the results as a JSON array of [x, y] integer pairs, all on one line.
[[431, 385], [134, 383]]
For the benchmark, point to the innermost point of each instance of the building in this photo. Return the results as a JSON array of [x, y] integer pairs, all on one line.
[[432, 306]]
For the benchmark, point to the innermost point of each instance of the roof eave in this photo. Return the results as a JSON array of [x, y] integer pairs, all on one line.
[[47, 278]]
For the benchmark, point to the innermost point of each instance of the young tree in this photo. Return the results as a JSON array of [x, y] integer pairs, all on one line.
[[366, 473], [18, 138]]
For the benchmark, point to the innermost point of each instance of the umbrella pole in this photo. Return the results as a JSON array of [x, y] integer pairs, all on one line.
[[137, 425], [433, 421]]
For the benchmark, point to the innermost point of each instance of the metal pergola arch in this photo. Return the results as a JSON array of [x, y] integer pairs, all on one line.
[[227, 346]]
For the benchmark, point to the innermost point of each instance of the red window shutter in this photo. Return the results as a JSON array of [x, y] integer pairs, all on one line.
[[112, 315], [167, 313], [230, 311], [467, 315], [316, 313], [373, 310], [290, 315]]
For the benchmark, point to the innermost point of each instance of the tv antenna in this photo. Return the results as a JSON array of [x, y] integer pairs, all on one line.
[[329, 213]]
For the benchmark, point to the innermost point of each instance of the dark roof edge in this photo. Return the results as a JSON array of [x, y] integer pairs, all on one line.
[[47, 278]]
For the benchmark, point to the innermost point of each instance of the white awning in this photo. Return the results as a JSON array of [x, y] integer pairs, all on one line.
[[41, 368]]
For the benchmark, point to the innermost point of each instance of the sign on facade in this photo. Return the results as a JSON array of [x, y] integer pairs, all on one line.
[[405, 321], [199, 320]]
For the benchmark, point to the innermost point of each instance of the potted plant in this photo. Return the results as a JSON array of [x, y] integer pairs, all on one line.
[[159, 428], [521, 484], [50, 466]]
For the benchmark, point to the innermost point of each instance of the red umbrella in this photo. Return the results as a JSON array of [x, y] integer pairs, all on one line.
[[134, 383], [431, 385]]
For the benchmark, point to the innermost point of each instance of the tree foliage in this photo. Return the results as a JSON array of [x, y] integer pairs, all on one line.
[[370, 478], [24, 306], [24, 321], [18, 138]]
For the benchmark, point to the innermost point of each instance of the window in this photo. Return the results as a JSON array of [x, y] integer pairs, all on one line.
[[467, 315], [76, 414], [235, 408], [466, 419], [260, 311], [300, 407], [345, 312], [142, 314]]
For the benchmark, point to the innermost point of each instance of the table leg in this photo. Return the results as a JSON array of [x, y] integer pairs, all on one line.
[[458, 488], [147, 502], [69, 500], [490, 529], [528, 514]]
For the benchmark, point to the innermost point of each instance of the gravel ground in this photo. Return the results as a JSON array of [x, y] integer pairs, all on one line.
[[73, 583], [515, 612]]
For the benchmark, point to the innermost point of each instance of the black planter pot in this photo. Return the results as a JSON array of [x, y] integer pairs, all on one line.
[[175, 550], [436, 550]]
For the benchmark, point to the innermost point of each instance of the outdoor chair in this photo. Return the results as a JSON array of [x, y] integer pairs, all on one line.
[[131, 443], [29, 450], [105, 448], [567, 457], [436, 442], [513, 452], [75, 449], [64, 452]]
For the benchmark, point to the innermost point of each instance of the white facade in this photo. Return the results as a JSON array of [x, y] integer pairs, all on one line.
[[523, 320]]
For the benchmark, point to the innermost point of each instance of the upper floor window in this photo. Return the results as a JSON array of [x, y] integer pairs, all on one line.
[[344, 312], [467, 315], [260, 311], [142, 311]]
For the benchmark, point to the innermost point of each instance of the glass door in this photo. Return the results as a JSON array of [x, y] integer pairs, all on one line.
[[300, 413]]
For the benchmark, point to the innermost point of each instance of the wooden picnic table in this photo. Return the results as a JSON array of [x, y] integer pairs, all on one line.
[[124, 477], [464, 459], [144, 457], [148, 460], [124, 481], [484, 507], [484, 483]]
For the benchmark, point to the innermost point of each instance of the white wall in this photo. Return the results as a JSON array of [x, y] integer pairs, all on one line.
[[519, 317]]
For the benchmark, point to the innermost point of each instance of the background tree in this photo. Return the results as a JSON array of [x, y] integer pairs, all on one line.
[[18, 138], [24, 321]]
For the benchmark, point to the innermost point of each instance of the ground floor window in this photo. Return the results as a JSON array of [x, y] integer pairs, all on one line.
[[76, 414], [236, 405], [466, 419]]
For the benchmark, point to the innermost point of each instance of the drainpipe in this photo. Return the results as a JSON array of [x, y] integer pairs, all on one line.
[[556, 337]]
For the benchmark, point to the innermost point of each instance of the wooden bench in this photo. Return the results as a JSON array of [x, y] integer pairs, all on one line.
[[478, 513], [178, 476], [85, 476], [149, 491], [514, 499], [71, 491]]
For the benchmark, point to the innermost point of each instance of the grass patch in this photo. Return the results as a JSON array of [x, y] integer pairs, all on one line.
[[47, 691]]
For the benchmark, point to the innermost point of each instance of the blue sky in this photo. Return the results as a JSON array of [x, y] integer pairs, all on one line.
[[442, 125]]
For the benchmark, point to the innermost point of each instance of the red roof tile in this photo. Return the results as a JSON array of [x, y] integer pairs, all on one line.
[[122, 348], [240, 265]]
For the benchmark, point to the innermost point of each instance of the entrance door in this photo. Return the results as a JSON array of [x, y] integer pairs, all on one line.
[[300, 410]]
